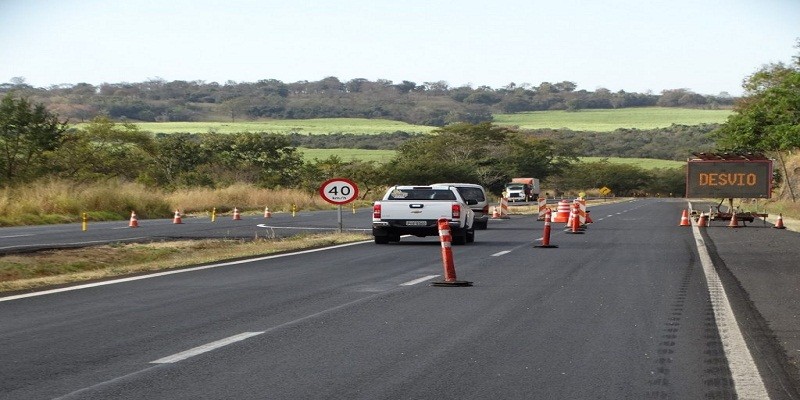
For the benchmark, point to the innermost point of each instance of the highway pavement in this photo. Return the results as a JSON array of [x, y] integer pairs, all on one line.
[[631, 309]]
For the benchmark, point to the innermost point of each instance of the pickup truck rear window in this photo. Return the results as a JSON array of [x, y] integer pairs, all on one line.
[[421, 194]]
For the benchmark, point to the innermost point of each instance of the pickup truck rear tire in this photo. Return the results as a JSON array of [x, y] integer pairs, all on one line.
[[381, 240], [462, 237]]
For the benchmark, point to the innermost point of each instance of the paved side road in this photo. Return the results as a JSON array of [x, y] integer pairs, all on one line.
[[760, 268]]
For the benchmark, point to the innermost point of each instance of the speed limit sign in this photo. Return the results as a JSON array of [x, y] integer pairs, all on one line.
[[338, 191]]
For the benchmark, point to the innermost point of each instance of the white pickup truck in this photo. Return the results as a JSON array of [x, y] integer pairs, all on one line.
[[415, 210]]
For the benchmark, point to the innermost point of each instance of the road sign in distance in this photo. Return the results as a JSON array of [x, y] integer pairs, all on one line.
[[338, 191]]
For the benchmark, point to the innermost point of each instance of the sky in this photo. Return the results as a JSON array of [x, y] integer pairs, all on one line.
[[707, 46]]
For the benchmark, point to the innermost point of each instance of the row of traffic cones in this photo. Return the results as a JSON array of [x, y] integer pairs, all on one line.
[[702, 221], [177, 218]]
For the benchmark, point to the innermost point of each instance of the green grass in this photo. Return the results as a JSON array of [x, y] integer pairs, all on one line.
[[314, 126], [379, 156], [583, 120], [609, 120], [644, 163]]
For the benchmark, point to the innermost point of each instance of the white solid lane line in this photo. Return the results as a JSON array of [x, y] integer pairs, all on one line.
[[502, 253], [746, 380], [205, 348], [419, 280]]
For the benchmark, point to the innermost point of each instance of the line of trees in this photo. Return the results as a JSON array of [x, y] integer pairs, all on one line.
[[429, 103]]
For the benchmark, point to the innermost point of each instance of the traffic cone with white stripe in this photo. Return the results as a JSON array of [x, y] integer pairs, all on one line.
[[546, 235], [575, 221], [685, 218], [236, 215], [177, 218], [134, 222], [734, 221], [779, 222], [267, 213], [447, 257], [702, 221]]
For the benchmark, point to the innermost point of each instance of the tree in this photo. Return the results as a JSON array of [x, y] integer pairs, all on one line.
[[623, 179], [28, 133], [105, 149], [481, 153], [767, 119]]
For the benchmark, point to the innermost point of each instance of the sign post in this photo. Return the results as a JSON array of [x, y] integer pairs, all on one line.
[[339, 191]]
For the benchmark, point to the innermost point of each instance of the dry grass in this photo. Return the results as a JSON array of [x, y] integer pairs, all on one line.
[[244, 197], [59, 201], [37, 270]]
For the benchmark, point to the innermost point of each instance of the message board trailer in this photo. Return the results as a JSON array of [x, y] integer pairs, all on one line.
[[732, 176]]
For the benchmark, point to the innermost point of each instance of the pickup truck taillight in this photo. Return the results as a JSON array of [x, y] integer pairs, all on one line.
[[376, 211], [456, 211]]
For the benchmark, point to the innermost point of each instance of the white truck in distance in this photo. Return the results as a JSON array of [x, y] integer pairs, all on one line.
[[524, 189], [415, 210]]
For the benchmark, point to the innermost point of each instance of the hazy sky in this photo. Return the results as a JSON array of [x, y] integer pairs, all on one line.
[[708, 46]]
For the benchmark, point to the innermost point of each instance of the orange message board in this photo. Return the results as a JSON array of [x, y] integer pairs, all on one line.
[[729, 179]]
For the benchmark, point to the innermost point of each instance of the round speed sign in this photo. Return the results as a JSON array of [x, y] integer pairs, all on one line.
[[338, 191]]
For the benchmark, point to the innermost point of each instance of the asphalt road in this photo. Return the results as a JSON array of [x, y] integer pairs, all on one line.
[[627, 310]]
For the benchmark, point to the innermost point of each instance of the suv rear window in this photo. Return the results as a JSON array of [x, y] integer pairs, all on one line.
[[471, 193]]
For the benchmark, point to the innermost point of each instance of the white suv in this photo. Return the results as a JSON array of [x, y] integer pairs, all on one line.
[[471, 191]]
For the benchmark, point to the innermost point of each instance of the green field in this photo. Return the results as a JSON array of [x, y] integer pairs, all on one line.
[[314, 126], [583, 120], [644, 163], [379, 156], [609, 120]]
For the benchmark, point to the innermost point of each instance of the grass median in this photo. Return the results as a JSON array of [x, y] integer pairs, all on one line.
[[30, 271]]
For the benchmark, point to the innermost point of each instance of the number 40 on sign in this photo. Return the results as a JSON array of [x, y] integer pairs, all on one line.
[[338, 191]]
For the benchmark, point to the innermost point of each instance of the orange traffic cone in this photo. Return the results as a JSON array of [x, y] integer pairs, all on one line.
[[779, 222], [446, 238], [589, 218], [702, 222], [236, 215], [575, 221], [734, 221], [177, 218], [267, 213], [495, 213], [685, 219], [134, 223]]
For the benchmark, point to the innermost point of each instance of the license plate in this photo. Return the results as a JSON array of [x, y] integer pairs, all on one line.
[[416, 223]]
